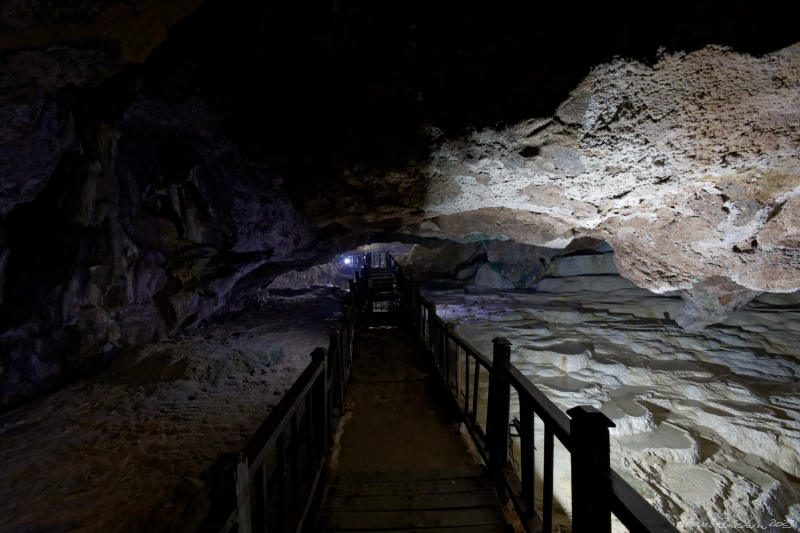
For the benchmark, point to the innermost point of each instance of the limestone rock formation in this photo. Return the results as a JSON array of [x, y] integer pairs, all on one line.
[[510, 265], [451, 260], [689, 168], [710, 300], [486, 276], [156, 216], [707, 422], [327, 274], [46, 52]]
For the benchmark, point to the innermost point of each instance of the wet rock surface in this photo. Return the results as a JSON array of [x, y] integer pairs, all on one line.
[[508, 264], [707, 423]]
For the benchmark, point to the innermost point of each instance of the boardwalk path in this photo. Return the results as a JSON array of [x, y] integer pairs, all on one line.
[[402, 464]]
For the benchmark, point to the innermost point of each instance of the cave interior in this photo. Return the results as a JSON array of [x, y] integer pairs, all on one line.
[[614, 188]]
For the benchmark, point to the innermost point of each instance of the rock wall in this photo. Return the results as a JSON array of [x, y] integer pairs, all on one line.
[[510, 265], [162, 161], [156, 218], [127, 213], [327, 274], [689, 168], [707, 422]]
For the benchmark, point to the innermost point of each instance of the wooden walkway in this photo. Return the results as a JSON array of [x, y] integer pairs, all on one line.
[[400, 462]]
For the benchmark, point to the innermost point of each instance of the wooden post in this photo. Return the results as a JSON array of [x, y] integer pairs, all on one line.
[[591, 485], [243, 501], [451, 356], [497, 413], [431, 319], [547, 486]]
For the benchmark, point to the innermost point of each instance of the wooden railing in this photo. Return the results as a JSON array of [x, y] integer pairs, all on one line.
[[375, 261], [280, 471], [597, 491]]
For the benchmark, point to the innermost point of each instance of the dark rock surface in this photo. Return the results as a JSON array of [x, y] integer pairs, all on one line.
[[134, 447]]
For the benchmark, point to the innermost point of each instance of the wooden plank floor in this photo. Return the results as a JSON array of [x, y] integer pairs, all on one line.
[[445, 500], [401, 464]]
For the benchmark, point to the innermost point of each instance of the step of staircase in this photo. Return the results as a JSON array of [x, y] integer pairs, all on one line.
[[383, 296], [445, 500]]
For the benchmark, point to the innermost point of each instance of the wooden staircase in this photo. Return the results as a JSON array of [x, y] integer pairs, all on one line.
[[382, 298], [398, 461], [402, 465], [382, 286]]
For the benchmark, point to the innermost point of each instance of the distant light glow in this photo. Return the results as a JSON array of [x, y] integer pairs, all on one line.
[[348, 260]]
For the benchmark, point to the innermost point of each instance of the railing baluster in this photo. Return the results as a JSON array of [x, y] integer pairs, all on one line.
[[547, 497], [263, 496], [280, 474], [440, 349], [423, 324], [451, 359], [295, 466], [445, 342], [437, 345], [527, 466], [443, 348], [243, 500], [466, 383], [311, 454], [428, 327], [475, 393]]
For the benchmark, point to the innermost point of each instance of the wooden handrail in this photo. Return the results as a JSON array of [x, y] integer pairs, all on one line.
[[589, 452], [460, 341], [266, 435], [473, 352], [281, 468], [542, 406], [633, 510]]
